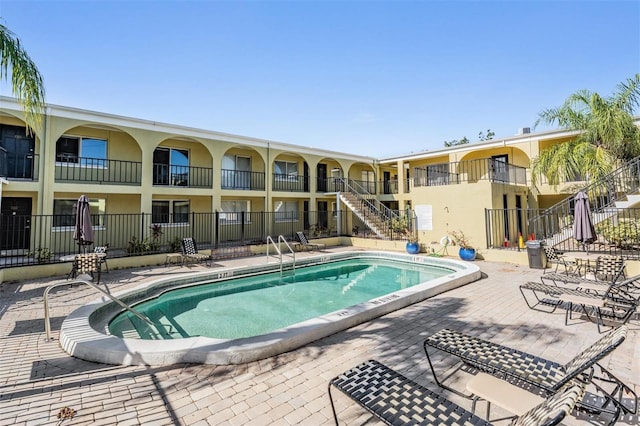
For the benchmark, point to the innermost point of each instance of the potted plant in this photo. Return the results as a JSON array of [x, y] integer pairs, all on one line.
[[412, 246], [466, 251]]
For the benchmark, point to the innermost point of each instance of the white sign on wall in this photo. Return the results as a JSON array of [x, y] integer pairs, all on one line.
[[424, 215]]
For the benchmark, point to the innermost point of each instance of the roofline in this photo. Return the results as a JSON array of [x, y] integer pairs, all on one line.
[[174, 129], [527, 137]]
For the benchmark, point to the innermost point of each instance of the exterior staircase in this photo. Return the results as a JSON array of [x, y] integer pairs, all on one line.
[[618, 190], [379, 218]]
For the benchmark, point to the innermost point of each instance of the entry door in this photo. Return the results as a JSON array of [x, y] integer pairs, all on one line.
[[15, 223], [323, 214], [321, 178], [243, 172], [386, 177]]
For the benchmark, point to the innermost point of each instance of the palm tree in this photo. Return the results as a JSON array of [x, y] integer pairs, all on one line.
[[26, 82], [607, 135]]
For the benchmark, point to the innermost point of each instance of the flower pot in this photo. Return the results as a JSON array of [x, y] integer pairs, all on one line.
[[413, 248], [467, 253]]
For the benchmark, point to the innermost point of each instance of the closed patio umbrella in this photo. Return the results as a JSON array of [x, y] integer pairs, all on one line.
[[583, 229], [83, 232]]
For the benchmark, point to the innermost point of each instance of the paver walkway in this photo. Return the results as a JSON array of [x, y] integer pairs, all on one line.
[[38, 380]]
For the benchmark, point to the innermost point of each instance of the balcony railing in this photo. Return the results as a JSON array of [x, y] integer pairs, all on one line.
[[389, 186], [18, 166], [97, 170], [469, 171], [188, 176], [243, 180], [290, 183]]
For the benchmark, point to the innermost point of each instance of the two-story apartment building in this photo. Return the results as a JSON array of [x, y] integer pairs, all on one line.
[[171, 173]]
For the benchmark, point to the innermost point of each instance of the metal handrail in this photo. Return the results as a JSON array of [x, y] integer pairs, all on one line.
[[277, 247], [47, 323], [602, 194]]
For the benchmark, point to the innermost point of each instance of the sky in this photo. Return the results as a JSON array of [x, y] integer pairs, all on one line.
[[375, 78]]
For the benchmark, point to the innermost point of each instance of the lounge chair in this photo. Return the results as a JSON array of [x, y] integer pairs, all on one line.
[[556, 257], [304, 244], [190, 252], [608, 269], [397, 400], [88, 263], [542, 374], [616, 304]]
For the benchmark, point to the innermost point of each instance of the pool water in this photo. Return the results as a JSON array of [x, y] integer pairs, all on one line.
[[253, 306]]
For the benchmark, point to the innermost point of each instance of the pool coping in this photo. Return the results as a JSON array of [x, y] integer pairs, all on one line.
[[83, 333]]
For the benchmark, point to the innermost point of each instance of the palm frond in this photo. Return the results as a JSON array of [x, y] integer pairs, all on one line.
[[26, 82]]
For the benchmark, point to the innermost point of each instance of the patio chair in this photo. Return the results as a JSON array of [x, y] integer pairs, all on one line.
[[556, 257], [102, 252], [615, 305], [190, 252], [397, 400], [88, 263], [304, 244], [539, 373], [608, 270]]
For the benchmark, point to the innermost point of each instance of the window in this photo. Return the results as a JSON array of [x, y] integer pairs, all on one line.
[[64, 213], [171, 167], [230, 211], [286, 211], [285, 170], [86, 152], [166, 211]]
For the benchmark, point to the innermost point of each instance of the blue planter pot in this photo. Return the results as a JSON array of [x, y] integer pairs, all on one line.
[[467, 253], [413, 248]]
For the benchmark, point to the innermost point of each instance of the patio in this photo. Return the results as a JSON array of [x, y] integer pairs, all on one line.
[[38, 380]]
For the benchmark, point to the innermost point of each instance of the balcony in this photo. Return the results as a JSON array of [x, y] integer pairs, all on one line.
[[97, 170], [242, 180], [469, 171], [389, 186], [18, 166], [290, 183], [187, 176]]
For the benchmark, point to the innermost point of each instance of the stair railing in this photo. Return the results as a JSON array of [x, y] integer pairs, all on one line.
[[383, 217], [602, 194]]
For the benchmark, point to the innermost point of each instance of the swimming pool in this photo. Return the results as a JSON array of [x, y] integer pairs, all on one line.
[[249, 313]]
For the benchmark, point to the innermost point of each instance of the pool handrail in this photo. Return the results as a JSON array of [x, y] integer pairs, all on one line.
[[47, 322], [281, 239]]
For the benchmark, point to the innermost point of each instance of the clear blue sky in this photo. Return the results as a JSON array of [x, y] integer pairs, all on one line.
[[378, 78]]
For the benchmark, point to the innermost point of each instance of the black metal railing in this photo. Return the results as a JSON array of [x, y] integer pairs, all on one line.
[[617, 230], [244, 180], [18, 166], [389, 186], [290, 183], [41, 239], [470, 171], [97, 170], [188, 176], [602, 195]]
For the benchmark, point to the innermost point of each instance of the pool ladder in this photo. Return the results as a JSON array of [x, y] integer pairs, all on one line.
[[281, 240]]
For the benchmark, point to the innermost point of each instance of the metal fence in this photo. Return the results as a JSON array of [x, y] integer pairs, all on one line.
[[41, 239], [617, 230]]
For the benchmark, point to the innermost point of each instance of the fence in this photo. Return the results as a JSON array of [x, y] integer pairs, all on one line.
[[617, 230], [39, 239]]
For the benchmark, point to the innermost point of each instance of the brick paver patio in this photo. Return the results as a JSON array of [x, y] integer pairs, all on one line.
[[37, 379]]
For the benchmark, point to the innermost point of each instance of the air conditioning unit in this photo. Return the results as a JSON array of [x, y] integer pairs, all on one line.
[[524, 130]]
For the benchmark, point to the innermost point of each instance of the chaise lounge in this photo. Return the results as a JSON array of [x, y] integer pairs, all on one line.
[[542, 374], [397, 400]]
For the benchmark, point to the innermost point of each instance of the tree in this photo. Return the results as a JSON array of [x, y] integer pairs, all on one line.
[[607, 134], [26, 82], [465, 140]]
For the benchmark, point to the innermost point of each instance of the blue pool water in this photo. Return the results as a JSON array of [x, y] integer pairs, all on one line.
[[253, 306]]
